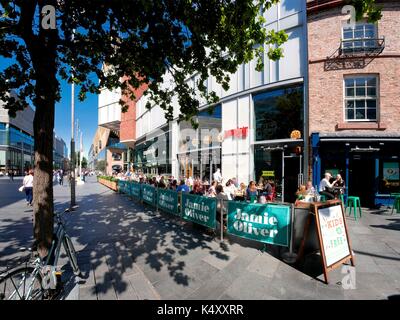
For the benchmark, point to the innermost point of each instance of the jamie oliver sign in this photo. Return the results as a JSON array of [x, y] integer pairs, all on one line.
[[199, 209], [263, 223], [149, 194]]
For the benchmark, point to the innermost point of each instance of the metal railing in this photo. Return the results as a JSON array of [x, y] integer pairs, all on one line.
[[362, 46]]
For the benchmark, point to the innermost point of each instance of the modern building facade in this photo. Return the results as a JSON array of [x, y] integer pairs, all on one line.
[[354, 101], [256, 130], [17, 143]]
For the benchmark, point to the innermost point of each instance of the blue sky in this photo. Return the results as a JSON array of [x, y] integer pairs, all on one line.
[[85, 111]]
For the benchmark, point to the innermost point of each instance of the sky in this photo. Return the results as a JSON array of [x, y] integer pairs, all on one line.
[[85, 111]]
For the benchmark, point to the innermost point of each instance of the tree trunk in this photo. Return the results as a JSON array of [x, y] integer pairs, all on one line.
[[43, 176], [44, 56]]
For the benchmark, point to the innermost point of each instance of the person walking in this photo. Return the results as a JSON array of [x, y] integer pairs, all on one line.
[[28, 187], [11, 175], [61, 178]]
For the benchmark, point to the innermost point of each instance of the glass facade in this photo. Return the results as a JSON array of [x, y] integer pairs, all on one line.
[[278, 113], [16, 149], [153, 156], [200, 149]]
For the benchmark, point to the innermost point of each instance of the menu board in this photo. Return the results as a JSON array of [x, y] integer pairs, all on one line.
[[391, 171], [333, 234]]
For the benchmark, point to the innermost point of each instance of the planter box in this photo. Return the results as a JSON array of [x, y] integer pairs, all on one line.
[[110, 184]]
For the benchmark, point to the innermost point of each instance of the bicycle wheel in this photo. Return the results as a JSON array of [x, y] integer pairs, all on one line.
[[21, 284], [70, 250]]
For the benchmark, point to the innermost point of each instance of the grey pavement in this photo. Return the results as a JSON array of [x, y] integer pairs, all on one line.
[[128, 251]]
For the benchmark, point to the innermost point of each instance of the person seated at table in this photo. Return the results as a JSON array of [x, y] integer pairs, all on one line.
[[230, 189], [310, 189], [268, 190], [173, 185], [211, 192], [183, 187], [197, 189], [240, 194], [301, 192], [340, 183], [252, 191], [161, 183], [326, 188]]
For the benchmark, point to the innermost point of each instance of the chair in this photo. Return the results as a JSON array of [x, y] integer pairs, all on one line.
[[323, 198], [353, 202]]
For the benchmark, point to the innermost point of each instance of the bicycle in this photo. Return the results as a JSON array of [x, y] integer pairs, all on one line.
[[38, 278]]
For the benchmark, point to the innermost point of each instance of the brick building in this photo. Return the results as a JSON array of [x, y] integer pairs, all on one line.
[[354, 105]]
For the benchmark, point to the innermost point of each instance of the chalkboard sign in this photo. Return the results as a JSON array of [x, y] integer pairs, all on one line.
[[332, 234]]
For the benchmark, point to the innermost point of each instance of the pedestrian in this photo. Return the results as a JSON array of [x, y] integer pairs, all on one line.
[[28, 187], [61, 178], [222, 204], [11, 175]]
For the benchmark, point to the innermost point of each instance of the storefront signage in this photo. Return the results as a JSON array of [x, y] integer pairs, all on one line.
[[295, 134], [200, 210], [150, 151], [167, 201], [268, 173], [149, 194], [264, 223], [135, 189], [332, 235], [237, 133], [391, 171]]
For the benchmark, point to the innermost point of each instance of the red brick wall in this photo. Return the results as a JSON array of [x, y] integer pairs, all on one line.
[[326, 87], [128, 119]]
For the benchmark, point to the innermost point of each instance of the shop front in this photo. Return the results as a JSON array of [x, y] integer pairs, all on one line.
[[369, 165], [278, 143], [152, 154], [199, 150]]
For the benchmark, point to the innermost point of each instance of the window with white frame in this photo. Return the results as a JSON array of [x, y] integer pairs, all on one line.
[[360, 38], [361, 98]]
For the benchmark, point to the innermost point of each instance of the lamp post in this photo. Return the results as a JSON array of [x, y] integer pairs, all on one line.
[[72, 169]]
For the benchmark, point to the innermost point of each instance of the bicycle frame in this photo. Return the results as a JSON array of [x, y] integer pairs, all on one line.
[[38, 263]]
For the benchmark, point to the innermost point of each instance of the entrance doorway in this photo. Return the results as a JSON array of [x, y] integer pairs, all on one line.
[[292, 177], [361, 179]]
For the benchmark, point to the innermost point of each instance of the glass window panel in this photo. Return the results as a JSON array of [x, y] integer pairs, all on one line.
[[360, 82], [360, 113], [350, 114], [273, 106], [347, 34], [349, 82], [360, 104], [357, 44], [360, 92], [350, 92], [350, 104], [371, 82], [371, 104], [358, 34], [371, 114], [371, 92]]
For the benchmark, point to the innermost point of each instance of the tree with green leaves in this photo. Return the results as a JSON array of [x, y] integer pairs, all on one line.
[[139, 41], [121, 44]]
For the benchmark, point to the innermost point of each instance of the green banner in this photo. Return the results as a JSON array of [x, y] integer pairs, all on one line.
[[135, 189], [149, 194], [198, 209], [167, 201], [122, 186], [268, 223]]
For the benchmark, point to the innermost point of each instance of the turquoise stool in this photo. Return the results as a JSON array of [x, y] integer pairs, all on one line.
[[322, 198], [396, 204], [342, 199], [355, 203]]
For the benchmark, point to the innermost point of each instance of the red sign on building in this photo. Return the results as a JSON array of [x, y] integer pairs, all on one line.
[[237, 133]]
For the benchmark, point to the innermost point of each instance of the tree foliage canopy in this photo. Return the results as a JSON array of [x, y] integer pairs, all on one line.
[[141, 39]]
